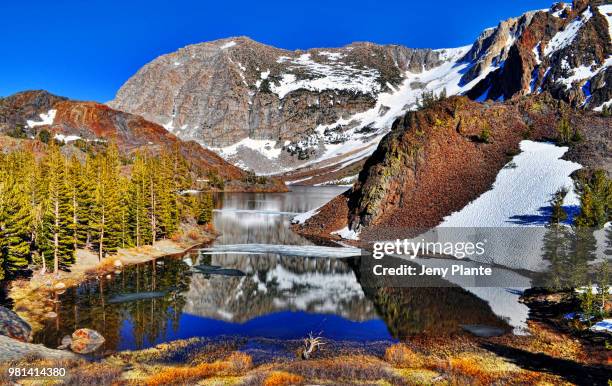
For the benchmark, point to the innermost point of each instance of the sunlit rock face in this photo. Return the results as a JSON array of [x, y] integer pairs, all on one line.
[[272, 109]]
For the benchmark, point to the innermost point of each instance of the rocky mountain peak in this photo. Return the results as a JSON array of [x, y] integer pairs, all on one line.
[[308, 113]]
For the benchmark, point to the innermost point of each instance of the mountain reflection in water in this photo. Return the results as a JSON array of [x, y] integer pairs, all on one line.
[[256, 293]]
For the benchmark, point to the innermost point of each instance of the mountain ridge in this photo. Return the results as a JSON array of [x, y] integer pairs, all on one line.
[[315, 115], [27, 115]]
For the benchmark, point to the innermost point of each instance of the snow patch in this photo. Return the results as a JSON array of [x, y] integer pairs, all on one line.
[[564, 38], [66, 138], [519, 198], [324, 76], [347, 234], [228, 45], [264, 146], [537, 173], [303, 217], [606, 10], [46, 119]]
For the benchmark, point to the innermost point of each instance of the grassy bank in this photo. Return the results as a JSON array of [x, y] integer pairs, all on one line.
[[543, 358]]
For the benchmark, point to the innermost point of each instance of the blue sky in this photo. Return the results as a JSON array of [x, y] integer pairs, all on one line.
[[88, 49]]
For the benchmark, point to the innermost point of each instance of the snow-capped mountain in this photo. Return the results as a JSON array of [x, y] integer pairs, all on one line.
[[316, 115]]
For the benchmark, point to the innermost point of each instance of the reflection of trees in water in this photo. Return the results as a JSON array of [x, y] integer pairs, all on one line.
[[568, 252], [150, 318], [88, 305], [431, 311]]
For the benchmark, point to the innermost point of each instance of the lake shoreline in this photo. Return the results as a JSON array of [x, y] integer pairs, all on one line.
[[33, 298]]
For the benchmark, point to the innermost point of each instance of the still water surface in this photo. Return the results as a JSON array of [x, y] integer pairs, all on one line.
[[281, 286]]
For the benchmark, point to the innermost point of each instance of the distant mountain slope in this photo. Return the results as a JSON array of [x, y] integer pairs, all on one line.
[[316, 115], [32, 111]]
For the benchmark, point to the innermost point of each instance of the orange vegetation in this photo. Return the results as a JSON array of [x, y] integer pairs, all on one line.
[[234, 364], [282, 378], [401, 356]]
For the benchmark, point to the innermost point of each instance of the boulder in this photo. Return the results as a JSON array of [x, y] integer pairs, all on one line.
[[85, 341], [13, 326]]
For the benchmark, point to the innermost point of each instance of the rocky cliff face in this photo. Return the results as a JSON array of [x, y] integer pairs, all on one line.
[[565, 51], [26, 114], [435, 161], [279, 109]]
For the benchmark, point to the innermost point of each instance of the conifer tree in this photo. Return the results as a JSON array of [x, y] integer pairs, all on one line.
[[558, 214], [57, 225], [81, 194], [106, 213], [205, 208], [595, 200], [564, 130], [167, 195], [138, 202], [15, 214]]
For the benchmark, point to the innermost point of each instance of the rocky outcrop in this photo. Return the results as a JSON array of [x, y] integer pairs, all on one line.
[[14, 350], [86, 341], [13, 326], [437, 160], [565, 51], [492, 47]]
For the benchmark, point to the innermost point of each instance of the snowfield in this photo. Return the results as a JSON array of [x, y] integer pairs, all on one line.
[[510, 217], [66, 138], [303, 217], [521, 188], [336, 76], [266, 147], [228, 45], [347, 234]]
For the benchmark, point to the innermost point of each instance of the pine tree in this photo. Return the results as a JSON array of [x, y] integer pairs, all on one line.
[[138, 202], [205, 208], [15, 214], [564, 130], [106, 213], [81, 194], [57, 224], [558, 214], [126, 235], [595, 200], [603, 287], [167, 196], [587, 303]]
